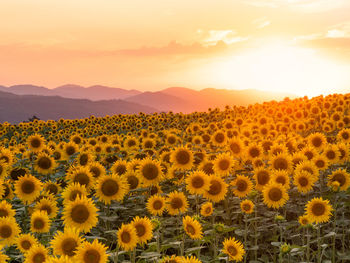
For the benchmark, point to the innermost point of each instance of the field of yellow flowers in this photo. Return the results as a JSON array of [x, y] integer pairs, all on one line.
[[264, 183]]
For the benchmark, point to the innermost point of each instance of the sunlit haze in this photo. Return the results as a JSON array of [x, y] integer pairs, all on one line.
[[299, 47]]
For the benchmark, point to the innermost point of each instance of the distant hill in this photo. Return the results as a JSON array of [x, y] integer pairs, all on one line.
[[17, 108]]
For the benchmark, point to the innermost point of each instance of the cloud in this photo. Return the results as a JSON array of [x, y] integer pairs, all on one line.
[[212, 37], [261, 22]]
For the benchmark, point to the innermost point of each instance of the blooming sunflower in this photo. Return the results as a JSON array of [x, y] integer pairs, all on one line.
[[36, 254], [156, 205], [261, 177], [304, 181], [331, 153], [81, 175], [320, 162], [127, 237], [44, 164], [235, 145], [344, 135], [217, 190], [207, 209], [36, 142], [242, 186], [143, 228], [84, 158], [190, 259], [281, 177], [56, 259], [317, 140], [176, 203], [182, 158], [52, 187], [233, 248], [253, 151], [6, 209], [80, 213], [342, 177], [25, 241], [40, 222], [133, 179], [197, 182], [171, 259], [192, 227], [97, 169], [247, 206], [303, 220], [119, 167], [27, 188], [275, 195], [9, 230], [223, 164], [219, 138], [111, 187], [48, 205], [318, 210], [69, 149], [281, 161], [73, 191], [150, 172], [66, 243], [94, 252]]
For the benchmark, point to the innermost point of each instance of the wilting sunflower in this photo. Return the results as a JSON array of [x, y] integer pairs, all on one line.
[[127, 237], [197, 182], [111, 187], [36, 142], [66, 243], [25, 241], [36, 254], [44, 164], [303, 220], [275, 195], [182, 158], [9, 230], [223, 164], [261, 177], [281, 177], [176, 203], [80, 213], [6, 209], [242, 186], [150, 172], [40, 222], [81, 175], [342, 177], [156, 205], [318, 210], [233, 248], [144, 228], [304, 181], [281, 161], [207, 209], [317, 140], [27, 188], [94, 252], [217, 190], [219, 138], [73, 191], [192, 227], [247, 206], [48, 205]]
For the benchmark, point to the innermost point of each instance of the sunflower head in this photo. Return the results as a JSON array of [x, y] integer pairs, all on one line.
[[233, 248], [318, 210], [127, 237]]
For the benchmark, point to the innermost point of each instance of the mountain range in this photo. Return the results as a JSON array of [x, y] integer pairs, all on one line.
[[19, 102]]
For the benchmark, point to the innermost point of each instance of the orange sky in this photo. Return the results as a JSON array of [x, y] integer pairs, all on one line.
[[297, 45]]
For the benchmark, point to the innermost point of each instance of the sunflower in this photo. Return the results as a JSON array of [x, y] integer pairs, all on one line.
[[84, 158], [190, 259], [317, 140], [261, 177], [81, 175], [281, 177], [119, 167], [56, 259], [207, 209], [223, 164], [27, 188], [197, 182], [176, 203], [44, 164], [7, 190], [143, 228], [342, 177], [3, 169], [233, 248], [344, 135], [247, 206], [73, 191], [131, 143], [36, 254], [275, 195], [40, 222], [6, 209], [182, 158], [171, 259], [253, 151], [281, 161], [36, 142], [318, 210], [219, 138], [304, 181], [303, 220], [156, 205], [9, 230], [52, 187], [192, 227], [111, 187], [94, 252], [25, 241], [97, 169], [309, 152], [235, 145], [309, 167], [150, 172], [331, 153], [127, 237], [7, 156], [344, 151], [80, 213], [3, 257], [320, 162], [69, 149], [242, 186], [217, 190], [48, 205], [133, 179], [297, 158], [66, 243]]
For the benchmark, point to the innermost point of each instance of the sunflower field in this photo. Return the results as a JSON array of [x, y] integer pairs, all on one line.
[[263, 183]]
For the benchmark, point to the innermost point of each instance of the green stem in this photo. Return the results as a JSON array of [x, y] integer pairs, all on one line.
[[245, 236], [307, 245], [319, 249]]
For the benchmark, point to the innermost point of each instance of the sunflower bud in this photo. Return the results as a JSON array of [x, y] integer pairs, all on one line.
[[285, 248], [156, 223], [219, 227]]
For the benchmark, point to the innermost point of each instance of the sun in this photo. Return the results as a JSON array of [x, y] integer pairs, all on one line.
[[281, 67]]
